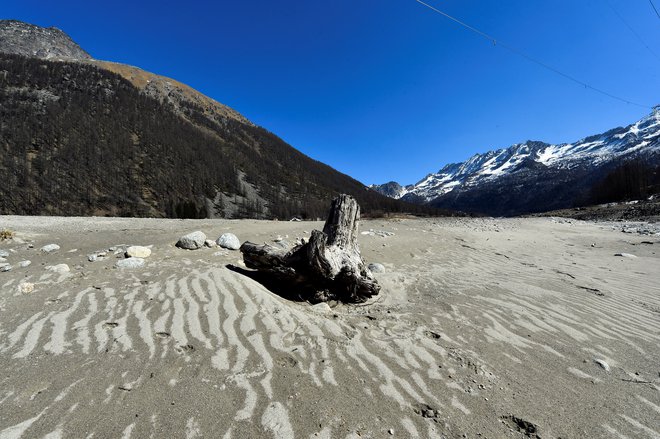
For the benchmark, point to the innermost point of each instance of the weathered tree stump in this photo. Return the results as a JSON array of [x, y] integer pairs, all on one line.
[[328, 267]]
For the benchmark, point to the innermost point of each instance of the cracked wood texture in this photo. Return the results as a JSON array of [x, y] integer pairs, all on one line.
[[328, 267]]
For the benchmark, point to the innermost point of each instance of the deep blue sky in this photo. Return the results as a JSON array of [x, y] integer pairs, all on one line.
[[385, 89]]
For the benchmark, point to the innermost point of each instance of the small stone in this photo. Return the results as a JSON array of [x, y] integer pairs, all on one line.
[[26, 288], [92, 258], [391, 432], [101, 254], [130, 263], [3, 259], [5, 268], [220, 253], [210, 243], [112, 249], [625, 255], [192, 241], [602, 363], [4, 254], [376, 267], [24, 264], [278, 239], [322, 307], [50, 248], [59, 268], [229, 241], [138, 251]]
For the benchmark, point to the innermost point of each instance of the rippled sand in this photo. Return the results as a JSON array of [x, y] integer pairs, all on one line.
[[483, 326]]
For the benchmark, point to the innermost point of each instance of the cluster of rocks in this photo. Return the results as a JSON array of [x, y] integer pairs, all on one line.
[[134, 257], [642, 229], [196, 240], [5, 266]]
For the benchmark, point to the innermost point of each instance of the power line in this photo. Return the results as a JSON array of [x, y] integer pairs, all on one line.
[[633, 31], [654, 8], [522, 54]]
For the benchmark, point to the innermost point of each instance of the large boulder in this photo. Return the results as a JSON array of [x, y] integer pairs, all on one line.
[[137, 251], [192, 241], [229, 241]]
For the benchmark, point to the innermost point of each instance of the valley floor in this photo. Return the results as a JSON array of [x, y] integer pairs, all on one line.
[[484, 328]]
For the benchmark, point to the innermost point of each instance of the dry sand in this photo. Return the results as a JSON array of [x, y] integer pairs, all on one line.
[[484, 328]]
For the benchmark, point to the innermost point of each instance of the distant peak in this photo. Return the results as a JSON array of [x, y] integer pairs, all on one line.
[[18, 37]]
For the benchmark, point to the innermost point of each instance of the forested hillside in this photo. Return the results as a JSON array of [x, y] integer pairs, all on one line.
[[76, 139]]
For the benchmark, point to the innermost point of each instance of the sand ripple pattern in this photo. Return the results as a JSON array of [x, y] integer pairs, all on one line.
[[216, 335], [480, 320]]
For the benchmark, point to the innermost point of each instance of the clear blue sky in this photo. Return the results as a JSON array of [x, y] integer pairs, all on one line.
[[385, 89]]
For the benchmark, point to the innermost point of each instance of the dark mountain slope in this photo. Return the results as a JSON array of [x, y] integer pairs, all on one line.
[[77, 140]]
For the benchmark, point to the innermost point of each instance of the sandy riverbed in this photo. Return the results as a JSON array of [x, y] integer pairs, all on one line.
[[484, 328]]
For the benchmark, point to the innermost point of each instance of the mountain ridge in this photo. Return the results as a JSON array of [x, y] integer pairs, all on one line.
[[587, 158], [28, 39]]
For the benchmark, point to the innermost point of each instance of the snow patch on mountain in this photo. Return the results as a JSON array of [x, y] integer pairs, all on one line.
[[638, 138]]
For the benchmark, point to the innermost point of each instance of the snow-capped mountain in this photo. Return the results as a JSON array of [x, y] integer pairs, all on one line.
[[532, 164]]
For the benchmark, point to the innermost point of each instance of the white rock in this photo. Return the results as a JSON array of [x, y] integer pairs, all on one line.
[[192, 241], [229, 241], [50, 248], [130, 263], [221, 253], [210, 243], [138, 251], [59, 268], [625, 255], [24, 264], [375, 267], [602, 363], [26, 288], [322, 307], [4, 254], [3, 259], [4, 267], [92, 258]]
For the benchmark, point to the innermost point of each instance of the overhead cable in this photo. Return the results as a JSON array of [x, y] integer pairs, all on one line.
[[522, 54], [654, 8], [633, 31]]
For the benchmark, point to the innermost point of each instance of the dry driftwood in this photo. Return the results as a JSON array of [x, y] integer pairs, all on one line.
[[328, 267]]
